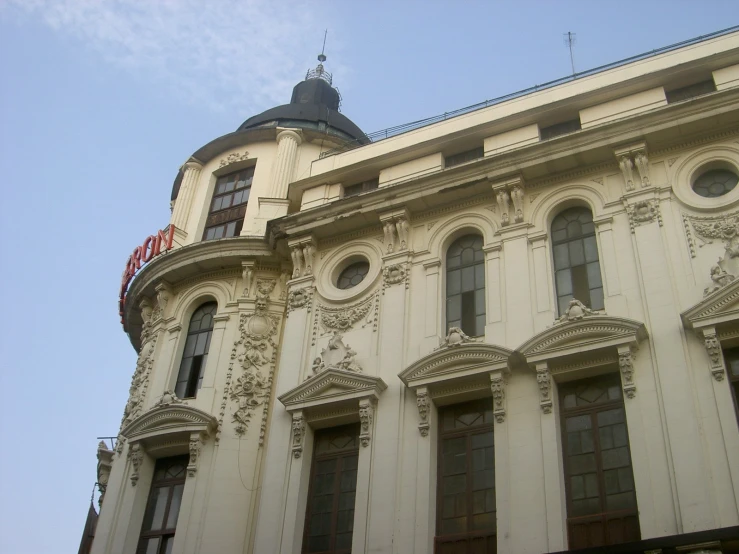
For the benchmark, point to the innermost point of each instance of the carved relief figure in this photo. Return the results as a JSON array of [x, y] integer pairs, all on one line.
[[719, 277]]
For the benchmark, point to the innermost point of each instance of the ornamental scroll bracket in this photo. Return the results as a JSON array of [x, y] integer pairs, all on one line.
[[303, 254]]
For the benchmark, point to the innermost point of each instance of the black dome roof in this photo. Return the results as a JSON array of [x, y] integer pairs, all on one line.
[[314, 105]]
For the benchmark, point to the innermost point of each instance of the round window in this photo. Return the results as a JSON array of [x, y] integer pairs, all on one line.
[[715, 183], [352, 275]]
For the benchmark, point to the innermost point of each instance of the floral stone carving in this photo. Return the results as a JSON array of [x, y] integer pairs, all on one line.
[[253, 351], [343, 318], [643, 212], [139, 382], [136, 456], [626, 365], [336, 355], [393, 274], [713, 347], [544, 379], [298, 299]]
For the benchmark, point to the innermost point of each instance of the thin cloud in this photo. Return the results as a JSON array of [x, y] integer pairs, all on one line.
[[240, 55]]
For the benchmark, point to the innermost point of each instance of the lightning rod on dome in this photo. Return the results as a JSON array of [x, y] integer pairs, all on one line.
[[319, 72]]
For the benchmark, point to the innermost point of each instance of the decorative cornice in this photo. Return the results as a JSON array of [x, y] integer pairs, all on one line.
[[451, 363], [721, 306], [573, 337], [331, 386], [167, 420]]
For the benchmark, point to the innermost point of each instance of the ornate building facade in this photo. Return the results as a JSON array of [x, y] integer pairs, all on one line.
[[514, 330]]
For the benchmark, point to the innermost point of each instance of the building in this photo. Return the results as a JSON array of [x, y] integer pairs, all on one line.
[[513, 330]]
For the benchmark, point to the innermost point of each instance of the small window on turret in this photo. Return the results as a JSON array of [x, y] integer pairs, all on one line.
[[228, 207]]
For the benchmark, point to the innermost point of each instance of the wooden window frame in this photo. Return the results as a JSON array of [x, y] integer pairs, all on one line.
[[447, 296], [464, 540], [340, 455], [171, 483], [223, 217], [604, 516], [582, 273], [193, 384]]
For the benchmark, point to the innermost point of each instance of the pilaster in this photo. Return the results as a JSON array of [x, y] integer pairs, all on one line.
[[283, 168]]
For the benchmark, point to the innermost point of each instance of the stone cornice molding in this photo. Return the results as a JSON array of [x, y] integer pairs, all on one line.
[[331, 388], [162, 422], [717, 309], [590, 334], [463, 361]]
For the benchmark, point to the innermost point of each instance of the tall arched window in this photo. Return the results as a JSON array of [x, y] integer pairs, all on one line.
[[576, 267], [196, 351], [465, 285]]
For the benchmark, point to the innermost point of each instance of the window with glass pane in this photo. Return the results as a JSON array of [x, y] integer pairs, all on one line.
[[329, 517], [465, 285], [601, 498], [576, 267], [465, 496], [228, 207], [731, 359], [163, 506], [195, 354]]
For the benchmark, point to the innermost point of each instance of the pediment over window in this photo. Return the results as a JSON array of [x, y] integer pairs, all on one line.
[[164, 421], [584, 336], [331, 387], [719, 309], [459, 362]]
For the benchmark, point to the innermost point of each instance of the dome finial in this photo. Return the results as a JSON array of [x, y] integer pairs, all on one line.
[[319, 72]]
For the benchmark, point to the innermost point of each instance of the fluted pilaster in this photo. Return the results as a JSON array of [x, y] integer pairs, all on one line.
[[284, 165], [182, 206]]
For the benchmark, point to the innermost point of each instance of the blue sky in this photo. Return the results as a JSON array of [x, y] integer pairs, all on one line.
[[100, 103]]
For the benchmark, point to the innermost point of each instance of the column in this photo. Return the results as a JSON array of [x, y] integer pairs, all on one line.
[[183, 204], [284, 164]]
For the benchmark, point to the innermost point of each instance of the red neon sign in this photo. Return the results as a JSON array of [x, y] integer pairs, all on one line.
[[153, 246]]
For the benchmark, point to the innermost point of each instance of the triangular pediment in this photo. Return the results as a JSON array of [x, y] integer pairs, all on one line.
[[332, 386], [591, 333], [168, 420], [719, 307], [456, 362]]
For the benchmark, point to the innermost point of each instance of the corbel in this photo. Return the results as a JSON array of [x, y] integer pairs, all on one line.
[[247, 277], [631, 157], [544, 380], [507, 191], [164, 295], [196, 445], [366, 416], [298, 434], [395, 230], [303, 252], [136, 456], [422, 401], [626, 367], [713, 348], [497, 387]]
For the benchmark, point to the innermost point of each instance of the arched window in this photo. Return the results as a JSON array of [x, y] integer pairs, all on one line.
[[576, 267], [465, 285], [196, 351]]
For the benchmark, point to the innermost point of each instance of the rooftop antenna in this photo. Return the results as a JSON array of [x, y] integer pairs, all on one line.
[[569, 40], [321, 56]]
